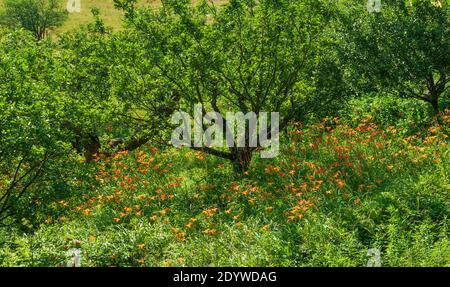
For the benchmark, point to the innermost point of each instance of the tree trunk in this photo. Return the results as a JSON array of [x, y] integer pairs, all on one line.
[[435, 104], [242, 158], [91, 147], [435, 89]]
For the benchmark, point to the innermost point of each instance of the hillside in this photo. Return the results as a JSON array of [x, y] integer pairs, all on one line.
[[108, 13]]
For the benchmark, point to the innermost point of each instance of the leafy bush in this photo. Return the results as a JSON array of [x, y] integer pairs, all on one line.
[[408, 116]]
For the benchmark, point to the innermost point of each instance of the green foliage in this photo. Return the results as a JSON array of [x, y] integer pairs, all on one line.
[[408, 115], [241, 57], [30, 112], [370, 172], [403, 49]]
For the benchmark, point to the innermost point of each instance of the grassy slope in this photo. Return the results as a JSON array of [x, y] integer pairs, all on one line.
[[109, 14]]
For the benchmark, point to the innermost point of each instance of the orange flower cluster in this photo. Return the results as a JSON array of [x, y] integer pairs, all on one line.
[[298, 211], [181, 235], [210, 212], [209, 231]]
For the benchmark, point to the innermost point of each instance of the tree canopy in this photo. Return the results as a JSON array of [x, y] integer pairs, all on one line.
[[244, 57], [403, 49]]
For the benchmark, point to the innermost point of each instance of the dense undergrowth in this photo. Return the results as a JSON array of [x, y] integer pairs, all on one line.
[[338, 188], [362, 178]]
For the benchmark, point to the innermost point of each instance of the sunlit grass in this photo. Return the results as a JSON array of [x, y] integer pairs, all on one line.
[[112, 17]]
